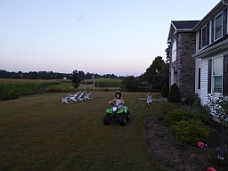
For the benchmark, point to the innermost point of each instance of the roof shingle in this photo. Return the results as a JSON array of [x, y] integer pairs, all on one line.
[[185, 24]]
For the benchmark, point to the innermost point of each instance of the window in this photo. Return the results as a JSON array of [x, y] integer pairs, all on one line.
[[217, 74], [174, 51], [218, 26], [204, 36], [173, 75]]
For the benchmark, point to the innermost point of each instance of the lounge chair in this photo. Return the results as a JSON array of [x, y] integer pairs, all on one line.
[[66, 99], [74, 98], [88, 96], [81, 96]]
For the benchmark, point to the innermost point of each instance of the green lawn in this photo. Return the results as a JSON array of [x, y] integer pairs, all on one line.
[[38, 132]]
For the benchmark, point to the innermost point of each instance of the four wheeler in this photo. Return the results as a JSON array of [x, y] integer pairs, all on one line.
[[117, 113]]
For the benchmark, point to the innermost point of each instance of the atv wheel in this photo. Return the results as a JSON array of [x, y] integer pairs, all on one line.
[[123, 120], [128, 115], [106, 119]]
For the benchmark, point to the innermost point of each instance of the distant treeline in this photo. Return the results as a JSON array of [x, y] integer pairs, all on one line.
[[51, 75]]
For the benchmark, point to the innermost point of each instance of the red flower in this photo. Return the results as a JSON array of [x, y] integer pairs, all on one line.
[[211, 169], [200, 144]]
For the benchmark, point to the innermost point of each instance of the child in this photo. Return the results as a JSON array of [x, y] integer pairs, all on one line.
[[119, 100], [149, 100]]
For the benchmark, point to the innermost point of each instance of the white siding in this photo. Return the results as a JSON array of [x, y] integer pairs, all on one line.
[[204, 81]]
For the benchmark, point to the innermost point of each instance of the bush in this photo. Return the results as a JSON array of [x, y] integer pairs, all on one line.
[[174, 94], [191, 131], [165, 90], [130, 83], [189, 100], [176, 115], [219, 106], [198, 111]]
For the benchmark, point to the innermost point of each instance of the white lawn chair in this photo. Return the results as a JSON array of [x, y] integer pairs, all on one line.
[[74, 97], [81, 96], [88, 96], [66, 99]]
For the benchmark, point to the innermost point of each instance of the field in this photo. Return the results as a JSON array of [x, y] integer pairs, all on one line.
[[15, 88], [38, 132]]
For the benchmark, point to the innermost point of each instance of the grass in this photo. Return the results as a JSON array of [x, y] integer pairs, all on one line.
[[37, 132]]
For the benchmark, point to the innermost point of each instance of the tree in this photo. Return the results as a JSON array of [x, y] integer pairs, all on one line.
[[167, 50], [157, 74], [75, 79], [165, 90], [130, 83], [81, 75]]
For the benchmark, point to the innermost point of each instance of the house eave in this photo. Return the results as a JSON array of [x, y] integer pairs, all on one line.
[[212, 50]]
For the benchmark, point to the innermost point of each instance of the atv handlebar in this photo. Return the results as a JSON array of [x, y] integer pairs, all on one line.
[[114, 104]]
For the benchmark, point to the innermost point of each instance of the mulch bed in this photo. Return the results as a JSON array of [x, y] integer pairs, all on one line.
[[174, 155]]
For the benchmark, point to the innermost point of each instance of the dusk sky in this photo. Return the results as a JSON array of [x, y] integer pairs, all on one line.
[[120, 37]]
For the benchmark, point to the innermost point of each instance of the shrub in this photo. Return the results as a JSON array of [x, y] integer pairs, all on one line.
[[177, 115], [165, 90], [189, 100], [219, 106], [174, 94], [198, 111], [191, 131]]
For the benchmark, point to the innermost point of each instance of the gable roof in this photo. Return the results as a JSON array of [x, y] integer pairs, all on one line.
[[181, 26], [184, 24]]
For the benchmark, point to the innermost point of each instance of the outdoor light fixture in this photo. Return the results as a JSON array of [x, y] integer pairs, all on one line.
[[221, 154]]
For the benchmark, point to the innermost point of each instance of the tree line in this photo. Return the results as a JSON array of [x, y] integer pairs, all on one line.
[[52, 75]]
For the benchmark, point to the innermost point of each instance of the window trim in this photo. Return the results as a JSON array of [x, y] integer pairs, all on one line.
[[215, 26], [213, 75]]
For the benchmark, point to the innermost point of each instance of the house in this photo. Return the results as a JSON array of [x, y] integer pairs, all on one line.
[[211, 56], [206, 43]]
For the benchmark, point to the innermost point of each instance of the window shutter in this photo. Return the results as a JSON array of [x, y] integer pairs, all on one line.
[[209, 76], [224, 21], [225, 75], [208, 33], [212, 31], [199, 77], [200, 39]]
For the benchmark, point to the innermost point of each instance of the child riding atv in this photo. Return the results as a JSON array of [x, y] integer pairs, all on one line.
[[119, 100], [118, 112]]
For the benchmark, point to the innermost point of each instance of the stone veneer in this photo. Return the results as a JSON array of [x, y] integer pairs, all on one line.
[[185, 63]]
